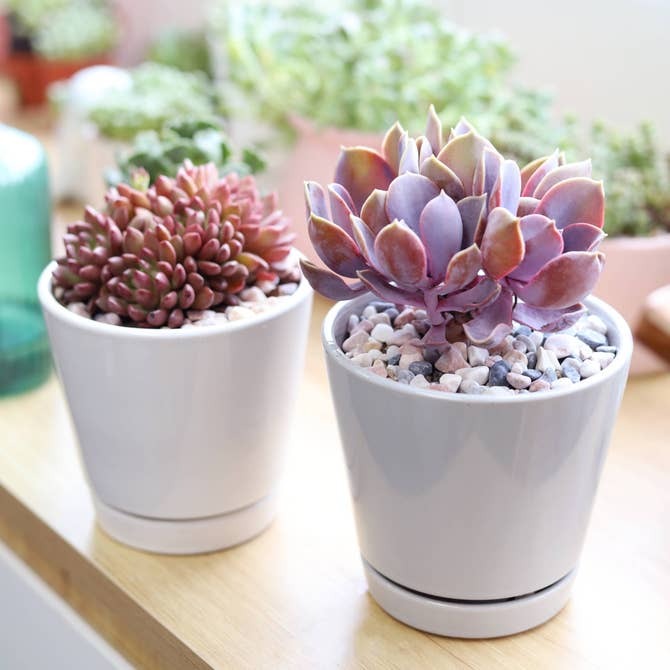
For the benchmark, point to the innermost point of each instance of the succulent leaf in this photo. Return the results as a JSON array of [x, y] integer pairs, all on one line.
[[361, 170], [400, 254], [407, 196], [575, 200], [441, 232]]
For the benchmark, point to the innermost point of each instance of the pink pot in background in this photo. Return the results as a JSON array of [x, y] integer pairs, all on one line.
[[635, 266], [313, 157]]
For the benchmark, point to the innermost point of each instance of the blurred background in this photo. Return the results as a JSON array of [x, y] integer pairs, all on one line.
[[275, 87]]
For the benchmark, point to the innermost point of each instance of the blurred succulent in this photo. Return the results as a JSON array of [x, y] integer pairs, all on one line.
[[158, 95], [637, 177], [181, 49], [200, 141], [66, 29], [456, 229], [361, 64], [189, 242]]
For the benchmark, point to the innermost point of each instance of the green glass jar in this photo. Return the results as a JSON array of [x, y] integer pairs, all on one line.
[[25, 215]]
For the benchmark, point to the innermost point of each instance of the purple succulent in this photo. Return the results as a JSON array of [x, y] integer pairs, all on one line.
[[453, 227]]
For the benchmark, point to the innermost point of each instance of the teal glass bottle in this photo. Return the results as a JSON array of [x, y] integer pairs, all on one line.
[[25, 215]]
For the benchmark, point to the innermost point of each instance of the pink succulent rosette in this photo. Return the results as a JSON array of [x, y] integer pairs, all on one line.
[[455, 228]]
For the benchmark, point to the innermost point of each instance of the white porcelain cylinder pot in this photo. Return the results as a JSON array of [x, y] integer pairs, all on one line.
[[471, 511], [181, 432]]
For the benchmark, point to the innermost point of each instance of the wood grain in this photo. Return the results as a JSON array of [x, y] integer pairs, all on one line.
[[295, 597]]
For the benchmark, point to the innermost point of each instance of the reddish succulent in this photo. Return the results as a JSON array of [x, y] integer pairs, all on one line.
[[455, 228], [192, 242]]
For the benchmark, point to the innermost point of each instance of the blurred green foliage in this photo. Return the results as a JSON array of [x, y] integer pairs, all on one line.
[[66, 29], [201, 141], [184, 50], [159, 95]]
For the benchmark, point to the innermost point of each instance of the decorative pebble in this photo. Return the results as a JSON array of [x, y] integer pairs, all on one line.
[[532, 360], [518, 381], [392, 313], [405, 334], [237, 312], [407, 359], [362, 360], [549, 375], [381, 306], [477, 355], [603, 357], [607, 349], [531, 346], [498, 373], [479, 374], [450, 361], [570, 367], [405, 317], [382, 332], [451, 382], [421, 368], [532, 374], [352, 322], [539, 385], [562, 345], [546, 359], [379, 368], [393, 360], [431, 355], [594, 322], [589, 368], [471, 387], [358, 339], [420, 381], [515, 356], [79, 308], [404, 376], [253, 294], [592, 337], [498, 390], [369, 311], [523, 330], [110, 318], [380, 318]]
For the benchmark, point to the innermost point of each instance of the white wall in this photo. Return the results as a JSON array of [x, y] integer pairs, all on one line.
[[603, 59]]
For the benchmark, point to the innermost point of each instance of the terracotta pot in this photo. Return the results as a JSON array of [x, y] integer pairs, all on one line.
[[33, 74], [635, 267], [313, 157]]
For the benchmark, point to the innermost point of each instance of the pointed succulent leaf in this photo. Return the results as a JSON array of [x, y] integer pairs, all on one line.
[[340, 207], [575, 200], [373, 211], [561, 173], [502, 243], [528, 170], [543, 241], [538, 175], [390, 146], [441, 232], [400, 254], [463, 154], [507, 188], [443, 176], [380, 287], [425, 149], [407, 195], [461, 128], [365, 239], [487, 172], [547, 320], [329, 284], [409, 160], [483, 292], [563, 281], [493, 322], [361, 170], [473, 210], [334, 247], [315, 200], [434, 130], [582, 237], [462, 269]]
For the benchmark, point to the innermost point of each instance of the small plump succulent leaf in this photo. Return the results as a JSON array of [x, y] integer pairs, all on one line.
[[407, 196]]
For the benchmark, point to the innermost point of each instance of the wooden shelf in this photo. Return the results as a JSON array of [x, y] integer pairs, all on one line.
[[295, 597]]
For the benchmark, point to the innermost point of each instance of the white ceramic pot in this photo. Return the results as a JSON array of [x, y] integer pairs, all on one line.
[[471, 511], [181, 432]]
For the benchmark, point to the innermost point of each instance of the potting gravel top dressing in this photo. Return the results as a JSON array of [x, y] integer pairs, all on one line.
[[384, 340]]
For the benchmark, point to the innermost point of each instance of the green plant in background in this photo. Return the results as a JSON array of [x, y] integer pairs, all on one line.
[[362, 64], [200, 141], [181, 49], [159, 94], [66, 29], [637, 177]]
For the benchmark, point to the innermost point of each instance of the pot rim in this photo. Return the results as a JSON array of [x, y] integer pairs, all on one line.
[[62, 313], [621, 361]]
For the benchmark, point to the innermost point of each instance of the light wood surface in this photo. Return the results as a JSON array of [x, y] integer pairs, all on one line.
[[295, 597]]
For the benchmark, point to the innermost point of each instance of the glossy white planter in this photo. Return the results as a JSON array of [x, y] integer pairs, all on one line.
[[465, 502], [181, 432]]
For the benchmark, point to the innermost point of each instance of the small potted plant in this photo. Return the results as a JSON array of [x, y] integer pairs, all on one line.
[[50, 40], [475, 392], [637, 224], [178, 323]]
